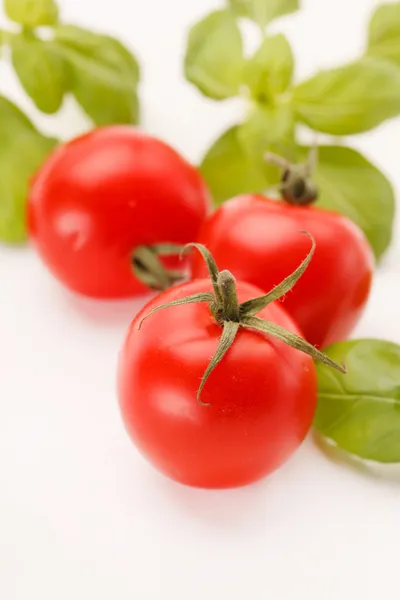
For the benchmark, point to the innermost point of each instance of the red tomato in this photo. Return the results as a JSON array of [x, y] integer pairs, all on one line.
[[262, 394], [103, 195], [257, 239]]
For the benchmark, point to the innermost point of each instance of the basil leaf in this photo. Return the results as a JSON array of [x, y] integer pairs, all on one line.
[[351, 185], [384, 33], [268, 128], [22, 150], [349, 99], [104, 74], [32, 13], [360, 411], [104, 48], [214, 56], [230, 171], [264, 11], [41, 70], [270, 70]]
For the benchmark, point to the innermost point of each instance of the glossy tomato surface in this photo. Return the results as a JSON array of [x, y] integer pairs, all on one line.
[[102, 195], [262, 393], [259, 241]]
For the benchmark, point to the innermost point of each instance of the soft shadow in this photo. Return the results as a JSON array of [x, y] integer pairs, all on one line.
[[103, 313], [390, 260], [388, 473], [225, 509]]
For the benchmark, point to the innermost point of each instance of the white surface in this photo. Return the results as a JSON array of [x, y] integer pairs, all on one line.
[[82, 516]]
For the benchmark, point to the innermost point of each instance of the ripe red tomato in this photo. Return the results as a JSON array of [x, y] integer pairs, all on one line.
[[257, 239], [262, 394], [102, 196]]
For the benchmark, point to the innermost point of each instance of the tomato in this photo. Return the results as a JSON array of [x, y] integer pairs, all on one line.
[[104, 196], [262, 395], [257, 395], [257, 239]]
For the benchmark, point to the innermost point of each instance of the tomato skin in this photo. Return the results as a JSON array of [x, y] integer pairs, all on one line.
[[262, 394], [102, 195], [258, 240]]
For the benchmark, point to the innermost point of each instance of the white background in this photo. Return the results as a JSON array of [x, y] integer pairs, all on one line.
[[82, 516]]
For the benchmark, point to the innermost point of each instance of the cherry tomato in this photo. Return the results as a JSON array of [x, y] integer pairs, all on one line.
[[106, 194], [257, 239], [261, 396]]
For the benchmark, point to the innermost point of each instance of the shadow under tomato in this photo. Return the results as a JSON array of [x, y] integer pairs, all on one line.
[[232, 509], [103, 313], [389, 473], [223, 509]]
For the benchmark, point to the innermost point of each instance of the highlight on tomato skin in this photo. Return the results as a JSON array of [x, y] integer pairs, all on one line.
[[105, 208], [257, 239], [262, 395]]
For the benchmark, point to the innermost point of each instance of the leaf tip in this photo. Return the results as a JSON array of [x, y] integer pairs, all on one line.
[[200, 402]]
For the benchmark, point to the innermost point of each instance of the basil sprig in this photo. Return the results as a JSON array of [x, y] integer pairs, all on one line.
[[51, 63], [347, 100]]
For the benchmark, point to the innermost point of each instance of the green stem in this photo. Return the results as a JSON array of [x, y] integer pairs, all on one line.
[[194, 299], [230, 305], [252, 307], [291, 339], [297, 186], [151, 271], [167, 249], [226, 340], [211, 266], [230, 315]]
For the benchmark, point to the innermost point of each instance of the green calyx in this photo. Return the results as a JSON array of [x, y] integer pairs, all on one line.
[[149, 268], [297, 186], [230, 315]]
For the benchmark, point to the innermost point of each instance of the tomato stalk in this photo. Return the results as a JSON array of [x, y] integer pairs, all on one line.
[[297, 186], [231, 316], [149, 268]]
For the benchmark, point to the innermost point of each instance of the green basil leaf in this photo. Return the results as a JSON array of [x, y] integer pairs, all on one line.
[[270, 70], [41, 70], [22, 150], [268, 129], [214, 56], [104, 74], [360, 411], [349, 99], [264, 11], [384, 33], [106, 49], [229, 170], [348, 183], [32, 13]]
